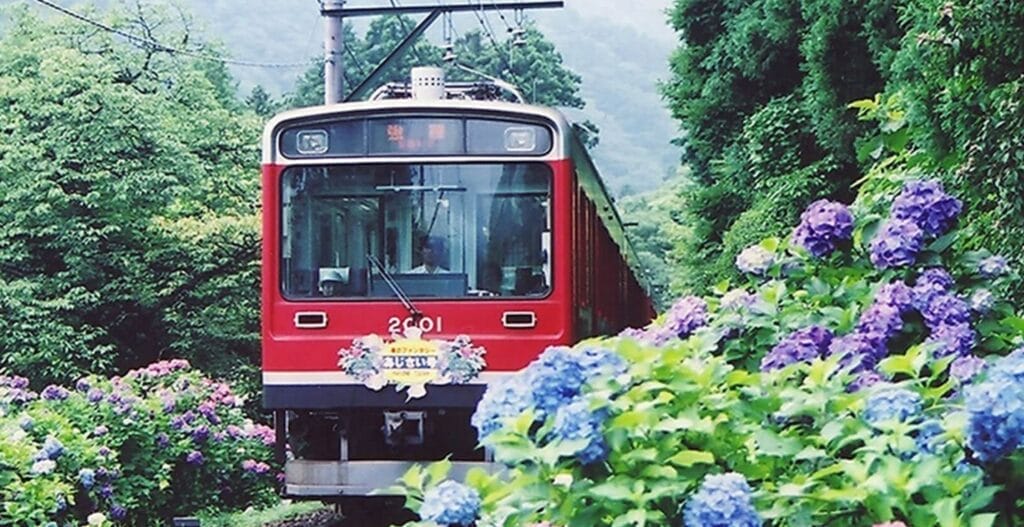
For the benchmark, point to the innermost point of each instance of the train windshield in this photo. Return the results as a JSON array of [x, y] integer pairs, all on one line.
[[434, 230]]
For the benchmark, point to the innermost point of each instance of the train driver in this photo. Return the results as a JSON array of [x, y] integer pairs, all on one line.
[[432, 251]]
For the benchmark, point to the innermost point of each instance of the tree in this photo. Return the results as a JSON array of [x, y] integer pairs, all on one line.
[[129, 199]]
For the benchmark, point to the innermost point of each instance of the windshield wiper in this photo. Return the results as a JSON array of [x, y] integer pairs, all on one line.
[[397, 289]]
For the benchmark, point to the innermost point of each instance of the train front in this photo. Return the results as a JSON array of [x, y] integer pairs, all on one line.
[[413, 251]]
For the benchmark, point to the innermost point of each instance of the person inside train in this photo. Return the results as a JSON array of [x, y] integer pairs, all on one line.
[[432, 252]]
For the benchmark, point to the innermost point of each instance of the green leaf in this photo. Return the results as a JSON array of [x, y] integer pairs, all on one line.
[[983, 520], [616, 489], [438, 471], [688, 458], [772, 444]]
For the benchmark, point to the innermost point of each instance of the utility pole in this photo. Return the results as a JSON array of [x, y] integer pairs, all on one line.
[[334, 12], [334, 45]]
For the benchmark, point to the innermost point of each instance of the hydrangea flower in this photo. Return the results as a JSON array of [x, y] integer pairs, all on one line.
[[95, 395], [892, 403], [118, 512], [194, 457], [451, 503], [897, 295], [576, 422], [723, 500], [686, 316], [996, 409], [880, 321], [933, 281], [556, 378], [857, 351], [600, 361], [507, 399], [926, 204], [952, 340], [43, 466], [981, 301], [928, 438], [755, 260], [52, 448], [26, 423], [865, 379], [896, 244], [87, 477], [95, 519], [737, 299], [965, 367], [945, 309], [55, 393], [803, 345], [993, 266], [823, 225]]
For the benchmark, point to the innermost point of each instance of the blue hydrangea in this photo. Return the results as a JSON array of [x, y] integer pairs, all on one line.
[[600, 361], [945, 310], [982, 301], [556, 378], [803, 345], [995, 409], [451, 503], [896, 244], [723, 500], [52, 448], [823, 225], [993, 266], [897, 295], [966, 367], [927, 205], [952, 340], [87, 477], [755, 260], [575, 421], [880, 321], [892, 403], [1010, 367], [501, 400], [929, 437]]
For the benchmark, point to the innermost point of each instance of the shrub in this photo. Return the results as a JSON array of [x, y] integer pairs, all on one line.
[[158, 442], [829, 389]]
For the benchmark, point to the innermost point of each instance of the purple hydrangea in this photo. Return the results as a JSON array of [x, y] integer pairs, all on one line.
[[723, 500], [501, 400], [118, 512], [993, 266], [255, 467], [755, 260], [880, 321], [927, 205], [574, 422], [194, 457], [897, 295], [55, 393], [896, 244], [995, 409], [966, 367], [982, 301], [864, 379], [892, 403], [858, 351], [451, 503], [932, 282], [803, 345], [200, 434], [945, 309], [162, 440], [823, 225], [686, 316], [82, 384], [95, 395], [952, 339]]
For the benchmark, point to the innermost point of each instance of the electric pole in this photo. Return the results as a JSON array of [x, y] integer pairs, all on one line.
[[334, 12], [334, 45]]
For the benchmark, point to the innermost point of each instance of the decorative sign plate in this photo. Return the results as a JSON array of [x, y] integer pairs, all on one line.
[[410, 362]]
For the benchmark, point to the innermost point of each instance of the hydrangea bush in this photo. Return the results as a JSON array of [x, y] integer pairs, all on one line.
[[862, 376], [133, 450]]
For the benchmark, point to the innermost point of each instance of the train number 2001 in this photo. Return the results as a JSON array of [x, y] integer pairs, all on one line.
[[426, 324]]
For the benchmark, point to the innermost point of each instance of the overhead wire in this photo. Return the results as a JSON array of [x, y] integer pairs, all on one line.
[[153, 44], [494, 42]]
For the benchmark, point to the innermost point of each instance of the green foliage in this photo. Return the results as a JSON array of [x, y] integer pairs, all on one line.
[[129, 194]]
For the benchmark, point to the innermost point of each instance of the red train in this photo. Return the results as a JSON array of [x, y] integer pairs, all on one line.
[[440, 212]]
